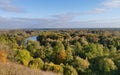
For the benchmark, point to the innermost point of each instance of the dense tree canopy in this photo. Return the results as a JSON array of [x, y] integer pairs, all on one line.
[[68, 52]]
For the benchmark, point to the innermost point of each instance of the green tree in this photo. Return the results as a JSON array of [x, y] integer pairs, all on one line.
[[40, 53], [93, 50], [53, 67], [23, 56], [117, 59], [78, 50], [70, 70], [58, 48], [107, 65], [113, 50], [36, 63], [69, 56], [33, 46], [81, 64], [83, 41], [48, 52]]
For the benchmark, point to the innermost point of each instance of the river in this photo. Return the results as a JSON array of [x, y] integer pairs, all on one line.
[[33, 38]]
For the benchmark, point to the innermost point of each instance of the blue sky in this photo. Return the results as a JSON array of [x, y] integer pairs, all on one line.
[[59, 14]]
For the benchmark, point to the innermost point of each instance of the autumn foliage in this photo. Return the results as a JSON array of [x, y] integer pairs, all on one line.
[[3, 57], [61, 57], [68, 52]]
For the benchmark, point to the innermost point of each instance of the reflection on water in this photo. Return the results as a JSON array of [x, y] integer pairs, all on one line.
[[33, 38]]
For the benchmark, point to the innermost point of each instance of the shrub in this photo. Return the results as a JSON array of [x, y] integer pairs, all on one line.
[[23, 56], [36, 63]]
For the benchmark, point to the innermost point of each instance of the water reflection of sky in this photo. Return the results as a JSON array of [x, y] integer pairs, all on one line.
[[33, 38]]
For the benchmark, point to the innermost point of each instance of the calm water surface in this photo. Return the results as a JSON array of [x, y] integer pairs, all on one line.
[[33, 38]]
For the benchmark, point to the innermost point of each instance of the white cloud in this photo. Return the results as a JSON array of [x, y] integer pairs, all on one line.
[[7, 5], [106, 6], [112, 3], [67, 16], [99, 10]]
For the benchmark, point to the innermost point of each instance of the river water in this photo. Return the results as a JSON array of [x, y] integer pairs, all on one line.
[[33, 38]]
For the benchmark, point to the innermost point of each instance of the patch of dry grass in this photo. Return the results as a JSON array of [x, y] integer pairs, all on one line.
[[15, 69]]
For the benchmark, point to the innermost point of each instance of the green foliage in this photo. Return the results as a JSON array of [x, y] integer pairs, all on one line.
[[117, 59], [36, 63], [23, 56], [69, 56], [83, 41], [113, 50], [107, 65], [78, 50], [70, 70], [33, 46], [48, 52], [53, 67], [40, 53], [93, 50], [58, 46], [57, 52], [81, 64]]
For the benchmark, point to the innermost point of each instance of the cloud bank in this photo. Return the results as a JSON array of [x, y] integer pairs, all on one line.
[[19, 23], [112, 3]]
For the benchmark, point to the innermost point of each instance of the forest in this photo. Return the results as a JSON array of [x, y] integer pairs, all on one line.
[[64, 52]]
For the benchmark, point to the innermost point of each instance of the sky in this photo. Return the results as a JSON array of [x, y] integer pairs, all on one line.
[[18, 14]]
